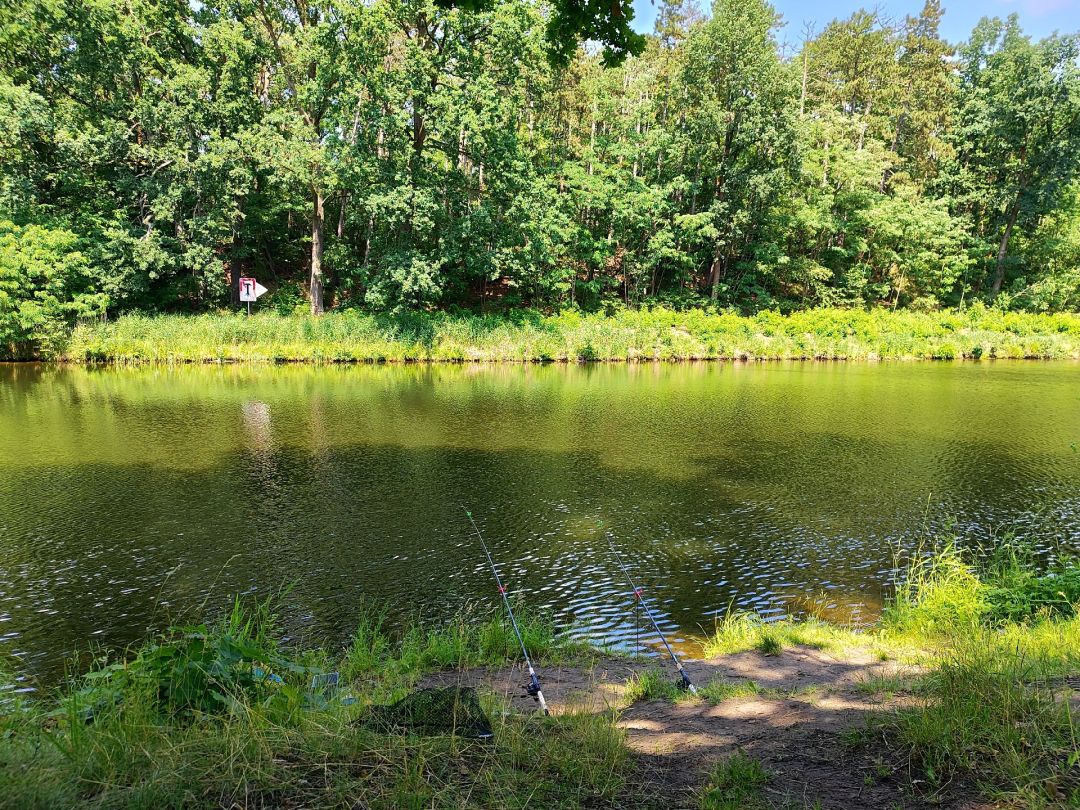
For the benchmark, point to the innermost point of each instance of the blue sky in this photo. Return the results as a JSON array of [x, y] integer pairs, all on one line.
[[1037, 17]]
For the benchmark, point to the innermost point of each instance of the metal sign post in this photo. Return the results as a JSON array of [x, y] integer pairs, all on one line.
[[250, 290]]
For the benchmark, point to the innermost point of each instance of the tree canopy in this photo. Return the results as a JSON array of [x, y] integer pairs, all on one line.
[[406, 153]]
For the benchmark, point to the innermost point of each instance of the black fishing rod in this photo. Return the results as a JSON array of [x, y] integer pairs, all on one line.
[[684, 683], [533, 688]]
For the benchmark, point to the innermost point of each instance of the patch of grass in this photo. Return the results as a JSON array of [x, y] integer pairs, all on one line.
[[370, 646], [735, 784], [527, 336], [656, 684], [739, 632], [736, 632], [940, 595], [888, 685], [720, 689], [223, 715], [770, 643], [653, 684], [990, 717], [130, 760]]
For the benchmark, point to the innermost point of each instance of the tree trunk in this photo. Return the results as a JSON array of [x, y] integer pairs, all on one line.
[[316, 288], [1003, 249], [714, 275]]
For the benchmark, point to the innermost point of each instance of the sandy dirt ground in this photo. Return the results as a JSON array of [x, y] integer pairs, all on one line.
[[809, 727]]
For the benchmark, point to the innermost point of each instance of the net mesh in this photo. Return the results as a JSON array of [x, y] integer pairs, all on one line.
[[445, 710]]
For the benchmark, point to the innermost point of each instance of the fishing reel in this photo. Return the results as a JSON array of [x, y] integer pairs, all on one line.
[[532, 688], [684, 682]]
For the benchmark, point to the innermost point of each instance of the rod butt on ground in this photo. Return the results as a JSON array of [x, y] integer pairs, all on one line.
[[684, 679], [533, 686]]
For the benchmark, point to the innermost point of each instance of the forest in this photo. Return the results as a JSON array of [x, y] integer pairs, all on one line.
[[391, 155]]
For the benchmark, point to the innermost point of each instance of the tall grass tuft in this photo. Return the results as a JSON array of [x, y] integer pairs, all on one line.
[[940, 594], [991, 716]]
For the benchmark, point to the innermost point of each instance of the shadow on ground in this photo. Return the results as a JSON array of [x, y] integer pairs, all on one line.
[[811, 726]]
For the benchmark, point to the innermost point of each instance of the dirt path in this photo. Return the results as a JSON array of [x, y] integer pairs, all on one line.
[[802, 725]]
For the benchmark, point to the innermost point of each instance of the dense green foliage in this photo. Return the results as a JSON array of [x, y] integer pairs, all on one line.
[[647, 334], [401, 154]]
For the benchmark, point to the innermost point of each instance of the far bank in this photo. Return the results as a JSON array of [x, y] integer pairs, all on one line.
[[626, 336]]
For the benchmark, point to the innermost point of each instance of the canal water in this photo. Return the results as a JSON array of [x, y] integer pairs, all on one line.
[[135, 497]]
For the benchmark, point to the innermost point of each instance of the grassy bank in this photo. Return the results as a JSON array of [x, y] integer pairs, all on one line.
[[994, 644], [657, 334], [225, 716]]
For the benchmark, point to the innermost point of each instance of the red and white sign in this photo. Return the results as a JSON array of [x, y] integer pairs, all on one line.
[[250, 289]]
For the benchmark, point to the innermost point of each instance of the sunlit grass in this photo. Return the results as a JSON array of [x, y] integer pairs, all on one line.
[[994, 641], [528, 336], [741, 631], [992, 715]]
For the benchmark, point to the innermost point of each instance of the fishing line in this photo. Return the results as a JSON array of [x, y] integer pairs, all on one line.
[[684, 683], [533, 688]]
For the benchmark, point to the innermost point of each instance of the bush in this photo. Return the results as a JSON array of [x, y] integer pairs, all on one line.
[[45, 283], [202, 670], [1017, 592]]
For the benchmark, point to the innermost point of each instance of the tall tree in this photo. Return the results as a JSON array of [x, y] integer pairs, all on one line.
[[304, 84], [1017, 135], [926, 95], [740, 116]]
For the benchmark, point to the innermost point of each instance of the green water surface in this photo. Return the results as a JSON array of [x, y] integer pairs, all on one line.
[[130, 497]]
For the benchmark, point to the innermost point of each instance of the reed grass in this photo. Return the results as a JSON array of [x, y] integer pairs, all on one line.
[[528, 336]]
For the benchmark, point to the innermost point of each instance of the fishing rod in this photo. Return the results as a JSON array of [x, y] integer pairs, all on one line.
[[533, 687], [684, 683]]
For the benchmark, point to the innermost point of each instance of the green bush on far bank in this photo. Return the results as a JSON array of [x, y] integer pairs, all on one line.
[[529, 336]]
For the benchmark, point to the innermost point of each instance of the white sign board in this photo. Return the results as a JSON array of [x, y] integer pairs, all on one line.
[[250, 289]]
